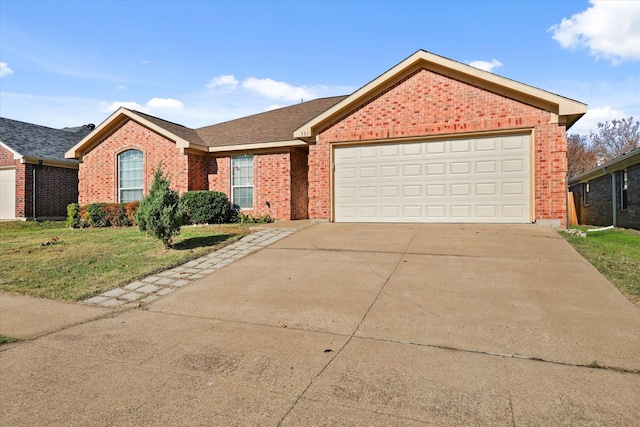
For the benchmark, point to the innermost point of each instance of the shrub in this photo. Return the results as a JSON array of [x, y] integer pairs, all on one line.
[[159, 213], [113, 213], [205, 207], [73, 216], [96, 215], [130, 211]]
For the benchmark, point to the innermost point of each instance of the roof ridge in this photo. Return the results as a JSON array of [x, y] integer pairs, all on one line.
[[271, 111], [158, 118]]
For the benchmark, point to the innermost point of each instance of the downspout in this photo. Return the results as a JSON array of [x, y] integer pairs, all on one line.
[[614, 195], [33, 192], [33, 204]]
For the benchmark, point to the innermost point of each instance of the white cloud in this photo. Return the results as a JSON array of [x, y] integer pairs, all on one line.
[[164, 104], [486, 66], [5, 70], [154, 105], [278, 90], [589, 122], [609, 29], [120, 87], [226, 82], [109, 108], [145, 61]]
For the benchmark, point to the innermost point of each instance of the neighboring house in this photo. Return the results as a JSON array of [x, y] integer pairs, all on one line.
[[610, 193], [430, 140], [36, 180]]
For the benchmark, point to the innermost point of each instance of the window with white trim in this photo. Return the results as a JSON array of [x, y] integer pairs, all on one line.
[[242, 182], [585, 193], [130, 176], [624, 202]]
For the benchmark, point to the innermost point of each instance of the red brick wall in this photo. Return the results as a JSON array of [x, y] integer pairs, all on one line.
[[99, 169], [426, 104], [299, 185], [199, 169], [272, 178], [220, 175], [6, 157], [24, 191]]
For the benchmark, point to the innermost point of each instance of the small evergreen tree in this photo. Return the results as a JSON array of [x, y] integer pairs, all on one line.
[[159, 213]]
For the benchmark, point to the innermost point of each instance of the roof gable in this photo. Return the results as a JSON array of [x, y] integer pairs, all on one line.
[[567, 110], [181, 135], [32, 142]]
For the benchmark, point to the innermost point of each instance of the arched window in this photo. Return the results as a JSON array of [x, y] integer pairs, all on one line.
[[130, 176]]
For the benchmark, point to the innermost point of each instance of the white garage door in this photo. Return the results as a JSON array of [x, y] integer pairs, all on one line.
[[481, 180], [8, 194]]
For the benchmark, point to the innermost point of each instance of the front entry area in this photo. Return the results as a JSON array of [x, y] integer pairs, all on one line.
[[471, 180]]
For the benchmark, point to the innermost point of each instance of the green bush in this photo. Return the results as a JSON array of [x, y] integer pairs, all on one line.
[[205, 207], [73, 216], [96, 215], [159, 212]]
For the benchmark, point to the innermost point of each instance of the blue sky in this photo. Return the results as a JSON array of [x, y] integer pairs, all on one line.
[[66, 63]]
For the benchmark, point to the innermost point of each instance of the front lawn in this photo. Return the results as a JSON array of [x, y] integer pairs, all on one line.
[[49, 260], [616, 254]]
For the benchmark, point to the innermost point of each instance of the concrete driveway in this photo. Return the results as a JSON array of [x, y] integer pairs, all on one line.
[[353, 324]]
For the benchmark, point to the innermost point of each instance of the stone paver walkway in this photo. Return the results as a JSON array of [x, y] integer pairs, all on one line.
[[152, 287]]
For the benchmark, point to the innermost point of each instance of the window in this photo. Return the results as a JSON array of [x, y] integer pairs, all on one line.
[[242, 182], [624, 203], [130, 176], [585, 194]]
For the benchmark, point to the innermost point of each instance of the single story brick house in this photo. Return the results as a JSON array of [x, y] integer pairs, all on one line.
[[610, 193], [36, 180], [430, 140]]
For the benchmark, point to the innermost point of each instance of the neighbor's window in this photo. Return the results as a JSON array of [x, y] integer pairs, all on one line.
[[585, 193], [242, 182], [130, 176], [624, 202]]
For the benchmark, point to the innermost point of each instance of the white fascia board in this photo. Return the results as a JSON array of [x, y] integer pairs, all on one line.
[[258, 146], [68, 164], [16, 155]]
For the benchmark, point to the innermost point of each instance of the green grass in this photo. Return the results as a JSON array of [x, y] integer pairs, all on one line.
[[81, 263], [616, 254], [6, 340]]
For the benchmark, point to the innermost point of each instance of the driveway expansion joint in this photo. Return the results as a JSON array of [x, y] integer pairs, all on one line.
[[148, 289]]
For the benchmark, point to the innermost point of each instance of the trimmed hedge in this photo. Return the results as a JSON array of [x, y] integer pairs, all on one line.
[[205, 207], [101, 214]]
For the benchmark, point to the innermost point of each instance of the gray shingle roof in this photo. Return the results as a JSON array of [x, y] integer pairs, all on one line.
[[40, 141]]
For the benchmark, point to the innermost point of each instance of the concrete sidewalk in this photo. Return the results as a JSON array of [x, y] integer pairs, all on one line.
[[352, 324]]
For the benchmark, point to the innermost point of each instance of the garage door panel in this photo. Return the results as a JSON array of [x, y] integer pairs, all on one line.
[[486, 166], [8, 194], [485, 144], [412, 170], [460, 146], [474, 180], [409, 150]]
